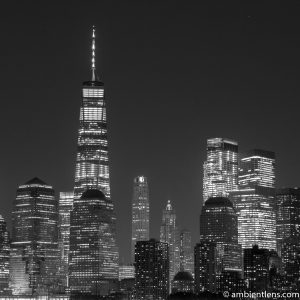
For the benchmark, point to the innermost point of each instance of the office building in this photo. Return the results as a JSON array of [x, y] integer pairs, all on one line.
[[93, 265], [4, 257], [151, 270], [169, 234], [254, 200], [220, 168], [140, 212], [65, 206], [186, 252], [34, 253]]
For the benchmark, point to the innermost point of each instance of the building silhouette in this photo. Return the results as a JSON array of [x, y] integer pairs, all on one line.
[[151, 270], [256, 269], [220, 168], [254, 200], [140, 212], [4, 257], [218, 225], [93, 248], [183, 282], [169, 234], [34, 250]]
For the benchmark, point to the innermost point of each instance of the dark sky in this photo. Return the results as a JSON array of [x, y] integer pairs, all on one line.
[[175, 73]]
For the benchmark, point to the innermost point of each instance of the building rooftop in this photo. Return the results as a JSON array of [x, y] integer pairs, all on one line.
[[183, 276], [218, 201], [93, 194]]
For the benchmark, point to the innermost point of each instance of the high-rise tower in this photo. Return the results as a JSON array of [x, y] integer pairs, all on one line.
[[220, 168], [65, 206], [151, 270], [93, 259], [254, 200], [4, 257], [92, 164], [140, 212], [34, 250], [169, 234]]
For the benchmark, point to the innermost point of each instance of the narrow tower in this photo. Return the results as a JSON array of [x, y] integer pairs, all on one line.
[[140, 212], [169, 234]]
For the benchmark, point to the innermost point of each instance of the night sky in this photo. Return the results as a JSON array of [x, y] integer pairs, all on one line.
[[175, 73]]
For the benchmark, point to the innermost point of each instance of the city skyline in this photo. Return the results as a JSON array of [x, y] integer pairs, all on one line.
[[48, 100]]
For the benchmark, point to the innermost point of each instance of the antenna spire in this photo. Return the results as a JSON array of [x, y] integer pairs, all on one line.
[[93, 54]]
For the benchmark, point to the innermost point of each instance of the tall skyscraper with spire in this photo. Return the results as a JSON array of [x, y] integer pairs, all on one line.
[[140, 212], [92, 164], [93, 259], [169, 234]]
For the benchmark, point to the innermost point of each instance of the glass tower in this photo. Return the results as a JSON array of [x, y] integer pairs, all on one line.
[[65, 206], [34, 248], [169, 234], [140, 212], [220, 168], [92, 165], [254, 200], [4, 257], [93, 258]]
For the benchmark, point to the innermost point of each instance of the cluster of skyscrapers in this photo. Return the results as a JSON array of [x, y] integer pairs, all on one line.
[[67, 248]]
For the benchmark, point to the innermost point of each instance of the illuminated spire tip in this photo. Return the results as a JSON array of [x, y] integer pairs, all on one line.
[[93, 54]]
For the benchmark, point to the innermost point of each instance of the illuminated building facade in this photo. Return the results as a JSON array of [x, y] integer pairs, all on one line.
[[126, 272], [92, 164], [93, 263], [140, 212], [4, 257], [169, 234], [34, 249], [218, 225], [254, 200], [288, 234], [93, 259], [65, 206], [151, 270], [220, 168], [186, 252]]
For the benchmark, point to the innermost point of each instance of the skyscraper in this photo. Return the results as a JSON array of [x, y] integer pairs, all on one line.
[[169, 234], [186, 251], [254, 200], [93, 263], [4, 257], [65, 206], [93, 259], [256, 269], [92, 163], [220, 168], [34, 249], [140, 212], [218, 225], [288, 234], [151, 270]]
